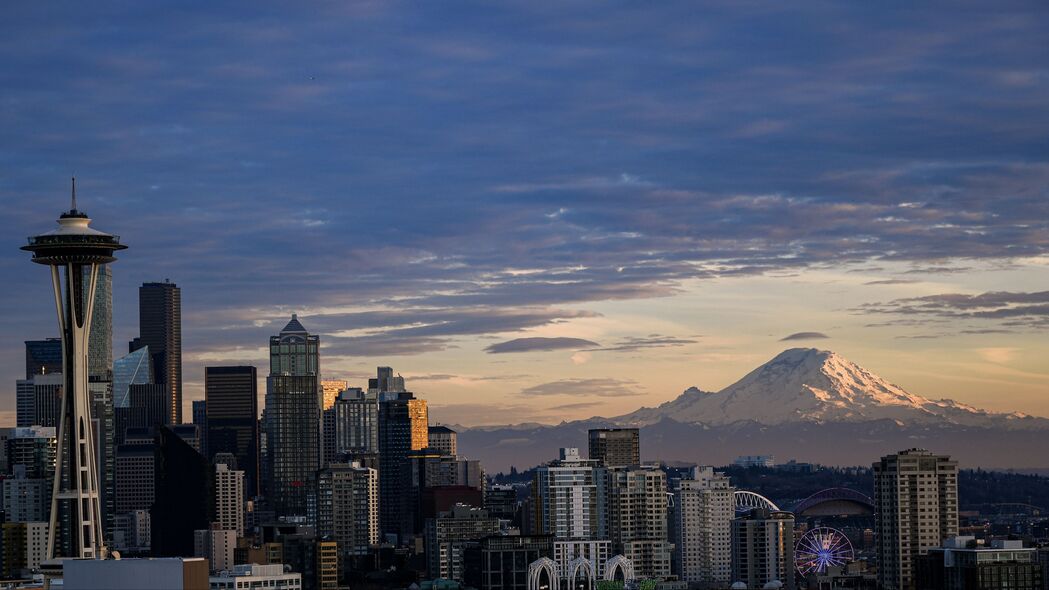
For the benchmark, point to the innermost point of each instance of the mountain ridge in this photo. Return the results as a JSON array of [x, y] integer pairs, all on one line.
[[807, 404]]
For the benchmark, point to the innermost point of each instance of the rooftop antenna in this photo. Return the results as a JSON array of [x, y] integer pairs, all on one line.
[[74, 194]]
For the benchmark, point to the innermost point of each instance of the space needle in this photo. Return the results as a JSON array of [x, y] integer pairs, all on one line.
[[75, 253]]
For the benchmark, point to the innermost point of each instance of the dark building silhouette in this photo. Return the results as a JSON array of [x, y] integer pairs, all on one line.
[[232, 409], [293, 417], [200, 419], [160, 328], [403, 428], [615, 447], [183, 495], [43, 356]]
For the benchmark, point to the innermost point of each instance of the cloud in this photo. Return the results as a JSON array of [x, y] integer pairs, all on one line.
[[635, 343], [804, 336], [892, 282], [581, 358], [537, 343], [605, 387], [1022, 309], [358, 171]]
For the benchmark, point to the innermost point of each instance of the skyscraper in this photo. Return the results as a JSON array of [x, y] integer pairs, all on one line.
[[763, 548], [356, 422], [134, 368], [38, 400], [916, 509], [293, 417], [43, 356], [183, 498], [331, 389], [615, 447], [81, 251], [403, 427], [231, 395], [701, 527], [637, 518], [160, 328]]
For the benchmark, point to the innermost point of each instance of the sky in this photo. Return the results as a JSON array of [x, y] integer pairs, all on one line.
[[549, 211]]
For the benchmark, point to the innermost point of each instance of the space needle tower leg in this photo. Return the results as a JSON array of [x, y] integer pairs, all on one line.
[[75, 251]]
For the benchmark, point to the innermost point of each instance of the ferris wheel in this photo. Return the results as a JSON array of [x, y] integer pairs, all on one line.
[[821, 548]]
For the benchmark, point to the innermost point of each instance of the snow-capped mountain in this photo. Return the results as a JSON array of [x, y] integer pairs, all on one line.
[[810, 385], [808, 404]]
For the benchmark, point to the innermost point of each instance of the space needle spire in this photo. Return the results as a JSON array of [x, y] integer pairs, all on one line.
[[75, 252]]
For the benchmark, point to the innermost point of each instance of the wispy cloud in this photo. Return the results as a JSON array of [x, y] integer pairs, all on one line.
[[538, 344], [586, 388]]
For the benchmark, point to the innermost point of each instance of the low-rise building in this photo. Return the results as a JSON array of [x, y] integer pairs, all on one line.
[[964, 564], [252, 577]]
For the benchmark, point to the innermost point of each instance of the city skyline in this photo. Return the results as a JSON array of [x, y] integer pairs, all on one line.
[[551, 220]]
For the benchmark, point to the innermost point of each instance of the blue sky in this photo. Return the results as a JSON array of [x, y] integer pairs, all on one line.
[[613, 201]]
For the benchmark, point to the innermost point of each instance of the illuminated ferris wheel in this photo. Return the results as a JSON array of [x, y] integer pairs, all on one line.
[[821, 548]]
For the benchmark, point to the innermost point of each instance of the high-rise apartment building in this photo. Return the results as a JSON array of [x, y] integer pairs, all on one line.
[[403, 427], [229, 499], [763, 549], [293, 417], [356, 422], [570, 481], [232, 409], [33, 447], [701, 528], [444, 439], [637, 518], [615, 447], [916, 509], [348, 506], [160, 328]]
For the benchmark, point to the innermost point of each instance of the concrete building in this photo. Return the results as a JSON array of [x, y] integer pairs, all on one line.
[[33, 447], [24, 548], [570, 498], [347, 506], [38, 400], [215, 545], [171, 573], [964, 564], [252, 577], [916, 505], [450, 534], [763, 549], [26, 499], [444, 439], [701, 527], [135, 477], [637, 518], [131, 532], [615, 447], [596, 552], [229, 499]]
